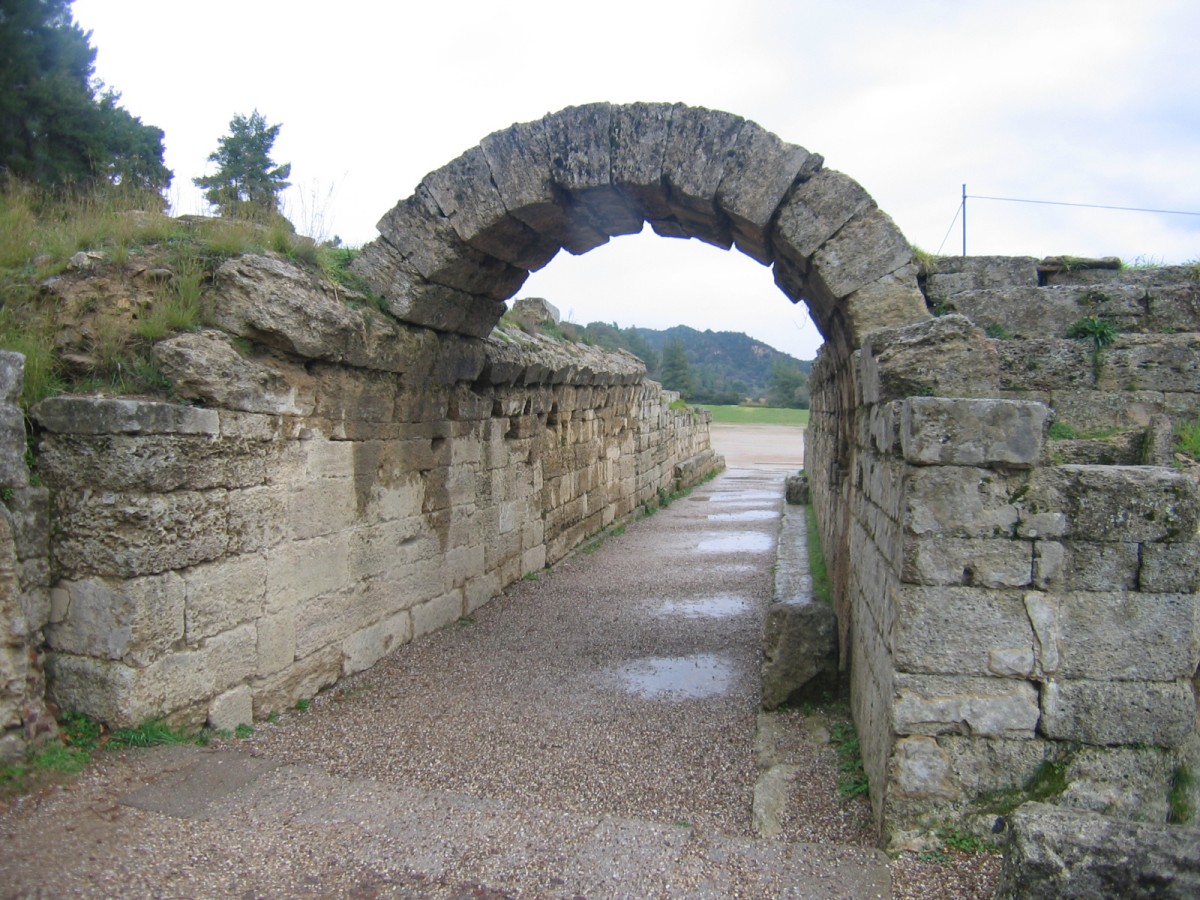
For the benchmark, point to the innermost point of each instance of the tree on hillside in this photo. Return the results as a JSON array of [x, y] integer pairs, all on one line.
[[789, 386], [58, 125], [247, 182], [676, 373]]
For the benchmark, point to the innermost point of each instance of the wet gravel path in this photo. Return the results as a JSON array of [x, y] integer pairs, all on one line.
[[623, 681]]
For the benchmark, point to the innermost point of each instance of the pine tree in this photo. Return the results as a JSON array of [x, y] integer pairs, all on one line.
[[247, 183], [676, 373], [58, 126]]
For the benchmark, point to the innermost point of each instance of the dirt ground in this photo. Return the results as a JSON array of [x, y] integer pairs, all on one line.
[[759, 445]]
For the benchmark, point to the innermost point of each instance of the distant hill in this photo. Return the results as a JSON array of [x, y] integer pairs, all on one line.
[[725, 366]]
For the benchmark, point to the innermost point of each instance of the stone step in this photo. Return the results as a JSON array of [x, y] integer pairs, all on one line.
[[445, 844]]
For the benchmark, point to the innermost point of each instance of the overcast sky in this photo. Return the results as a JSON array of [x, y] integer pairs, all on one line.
[[1095, 101]]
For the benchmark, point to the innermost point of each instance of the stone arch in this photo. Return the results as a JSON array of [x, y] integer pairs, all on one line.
[[465, 241]]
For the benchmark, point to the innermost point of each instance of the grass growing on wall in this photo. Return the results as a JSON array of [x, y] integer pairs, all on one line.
[[816, 559], [757, 415]]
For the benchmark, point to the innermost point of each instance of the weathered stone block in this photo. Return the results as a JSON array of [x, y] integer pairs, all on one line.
[[222, 594], [962, 432], [95, 415], [919, 769], [12, 376], [1118, 635], [304, 679], [1130, 782], [1161, 362], [974, 563], [466, 195], [135, 534], [366, 647], [979, 707], [302, 570], [1113, 503], [1055, 853], [815, 211], [180, 679], [892, 300], [103, 689], [799, 651], [697, 151], [275, 642], [1170, 567], [205, 366], [437, 613], [958, 501], [13, 471], [1085, 566], [233, 708], [961, 631], [757, 177], [1119, 712], [951, 275], [134, 621], [944, 357]]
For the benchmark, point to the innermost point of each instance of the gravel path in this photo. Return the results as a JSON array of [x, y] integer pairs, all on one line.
[[591, 732]]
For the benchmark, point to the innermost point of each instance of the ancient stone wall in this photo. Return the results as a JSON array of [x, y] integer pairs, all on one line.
[[24, 578], [1019, 595], [344, 484]]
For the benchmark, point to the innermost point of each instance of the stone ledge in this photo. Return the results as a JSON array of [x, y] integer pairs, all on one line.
[[99, 415]]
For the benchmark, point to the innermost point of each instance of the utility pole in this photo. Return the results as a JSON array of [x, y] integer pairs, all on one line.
[[964, 218]]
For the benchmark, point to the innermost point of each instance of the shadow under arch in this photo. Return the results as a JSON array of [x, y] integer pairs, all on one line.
[[465, 241]]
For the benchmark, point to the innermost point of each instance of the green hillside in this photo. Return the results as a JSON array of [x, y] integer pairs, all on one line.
[[723, 367]]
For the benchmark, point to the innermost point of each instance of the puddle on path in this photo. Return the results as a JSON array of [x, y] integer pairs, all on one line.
[[746, 515], [722, 606], [744, 496], [738, 542], [677, 677]]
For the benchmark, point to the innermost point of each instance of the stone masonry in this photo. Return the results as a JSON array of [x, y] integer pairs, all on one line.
[[346, 483]]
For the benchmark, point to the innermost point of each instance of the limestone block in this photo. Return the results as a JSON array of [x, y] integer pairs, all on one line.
[[233, 708], [1175, 308], [437, 613], [963, 432], [257, 518], [976, 563], [697, 150], [366, 647], [961, 631], [300, 571], [1162, 362], [96, 415], [425, 240], [466, 196], [757, 177], [519, 161], [978, 707], [13, 471], [799, 651], [891, 300], [814, 211], [180, 679], [134, 621], [12, 376], [1170, 567], [151, 463], [1119, 635], [301, 680], [1039, 312], [28, 509], [1055, 853], [640, 133], [1114, 503], [103, 689], [1119, 712], [961, 502], [920, 770], [943, 357], [1131, 782], [222, 594], [1044, 364], [205, 366], [951, 275], [981, 766], [1086, 566], [579, 139], [413, 299], [128, 535], [275, 645], [1091, 411], [321, 506]]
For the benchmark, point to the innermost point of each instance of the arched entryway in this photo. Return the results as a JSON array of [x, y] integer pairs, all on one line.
[[465, 241]]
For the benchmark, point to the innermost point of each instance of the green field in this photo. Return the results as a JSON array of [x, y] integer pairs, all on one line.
[[757, 415]]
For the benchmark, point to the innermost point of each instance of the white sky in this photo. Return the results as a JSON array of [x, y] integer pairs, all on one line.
[[1085, 101]]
